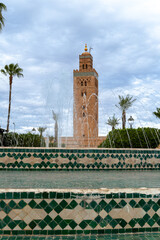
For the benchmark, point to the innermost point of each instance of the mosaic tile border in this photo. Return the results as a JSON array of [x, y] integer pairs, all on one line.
[[65, 212], [78, 159]]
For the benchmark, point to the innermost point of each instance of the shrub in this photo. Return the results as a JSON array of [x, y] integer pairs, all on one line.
[[132, 138], [21, 140]]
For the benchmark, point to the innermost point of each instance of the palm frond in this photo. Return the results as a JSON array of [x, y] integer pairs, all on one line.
[[157, 114], [125, 102], [13, 70], [113, 121], [4, 72], [3, 7]]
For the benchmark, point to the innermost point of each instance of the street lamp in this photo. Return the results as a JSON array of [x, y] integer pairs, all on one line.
[[33, 130], [130, 121]]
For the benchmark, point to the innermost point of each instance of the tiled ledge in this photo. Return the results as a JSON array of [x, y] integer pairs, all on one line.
[[78, 159], [79, 211]]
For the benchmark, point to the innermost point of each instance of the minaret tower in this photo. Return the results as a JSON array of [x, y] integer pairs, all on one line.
[[85, 109]]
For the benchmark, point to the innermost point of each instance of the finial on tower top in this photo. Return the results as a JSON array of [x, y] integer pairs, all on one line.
[[86, 47]]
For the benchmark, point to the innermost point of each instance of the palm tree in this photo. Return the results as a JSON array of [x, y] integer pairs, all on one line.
[[113, 122], [124, 104], [41, 130], [2, 7], [12, 70], [157, 114]]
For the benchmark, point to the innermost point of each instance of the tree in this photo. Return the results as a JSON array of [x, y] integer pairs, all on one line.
[[157, 114], [11, 70], [2, 7], [124, 104], [41, 130], [113, 122]]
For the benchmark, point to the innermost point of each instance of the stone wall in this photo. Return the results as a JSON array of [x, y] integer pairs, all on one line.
[[71, 142], [68, 211], [78, 159]]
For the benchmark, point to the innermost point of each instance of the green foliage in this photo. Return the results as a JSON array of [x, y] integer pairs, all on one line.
[[157, 114], [123, 105], [113, 122], [12, 70], [132, 138], [125, 102], [2, 7], [21, 140]]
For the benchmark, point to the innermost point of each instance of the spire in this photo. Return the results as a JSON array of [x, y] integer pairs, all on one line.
[[86, 47]]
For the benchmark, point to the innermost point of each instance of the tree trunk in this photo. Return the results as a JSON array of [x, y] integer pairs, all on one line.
[[123, 119], [9, 107]]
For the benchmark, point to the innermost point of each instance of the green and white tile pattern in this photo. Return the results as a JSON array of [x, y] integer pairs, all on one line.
[[78, 159], [58, 212]]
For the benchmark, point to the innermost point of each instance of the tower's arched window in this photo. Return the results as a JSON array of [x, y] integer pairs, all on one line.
[[83, 94], [83, 66], [85, 83], [81, 83], [84, 114], [86, 66]]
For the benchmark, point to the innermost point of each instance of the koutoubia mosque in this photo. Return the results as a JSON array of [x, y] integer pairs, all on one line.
[[85, 105]]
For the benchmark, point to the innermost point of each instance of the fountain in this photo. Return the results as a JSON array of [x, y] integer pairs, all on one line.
[[88, 208]]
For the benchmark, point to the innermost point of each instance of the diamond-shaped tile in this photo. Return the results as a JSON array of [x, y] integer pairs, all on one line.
[[53, 204], [132, 203], [22, 204], [58, 209], [132, 223], [58, 219], [72, 204], [12, 224], [42, 224], [12, 204], [72, 224], [32, 203], [93, 204], [32, 224], [83, 224], [47, 219], [52, 224], [63, 204], [113, 223], [103, 204], [98, 219]]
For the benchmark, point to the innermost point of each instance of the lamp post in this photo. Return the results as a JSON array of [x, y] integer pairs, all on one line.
[[131, 121]]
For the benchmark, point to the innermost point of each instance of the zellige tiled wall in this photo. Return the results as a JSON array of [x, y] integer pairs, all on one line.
[[78, 159], [51, 212]]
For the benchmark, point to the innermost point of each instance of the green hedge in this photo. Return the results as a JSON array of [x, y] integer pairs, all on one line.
[[22, 140], [132, 138]]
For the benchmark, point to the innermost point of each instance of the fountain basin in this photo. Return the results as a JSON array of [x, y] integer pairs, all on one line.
[[79, 211], [66, 211], [78, 159]]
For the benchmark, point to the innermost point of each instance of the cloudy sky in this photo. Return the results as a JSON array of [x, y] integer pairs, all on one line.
[[45, 37]]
